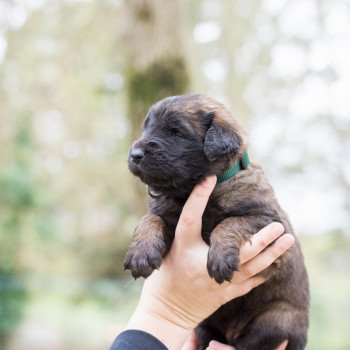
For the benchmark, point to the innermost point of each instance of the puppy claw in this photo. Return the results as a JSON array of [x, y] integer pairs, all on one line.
[[142, 260], [222, 263]]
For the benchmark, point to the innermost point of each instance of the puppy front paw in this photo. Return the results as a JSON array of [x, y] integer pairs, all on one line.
[[142, 258], [222, 262], [148, 247]]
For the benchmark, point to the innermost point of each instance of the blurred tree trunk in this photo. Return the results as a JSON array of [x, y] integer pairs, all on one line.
[[155, 67], [236, 25]]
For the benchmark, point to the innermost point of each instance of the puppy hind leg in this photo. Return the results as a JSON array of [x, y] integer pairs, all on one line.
[[205, 334], [297, 341], [272, 327]]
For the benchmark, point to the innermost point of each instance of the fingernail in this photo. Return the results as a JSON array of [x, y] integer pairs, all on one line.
[[215, 345], [277, 228], [212, 345], [287, 241]]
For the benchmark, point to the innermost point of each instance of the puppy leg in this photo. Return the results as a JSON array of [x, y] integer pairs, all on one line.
[[269, 329], [225, 241], [206, 334], [147, 248]]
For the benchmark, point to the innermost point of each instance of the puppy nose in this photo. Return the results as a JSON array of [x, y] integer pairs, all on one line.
[[137, 154]]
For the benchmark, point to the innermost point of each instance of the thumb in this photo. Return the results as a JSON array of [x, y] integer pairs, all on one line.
[[188, 229]]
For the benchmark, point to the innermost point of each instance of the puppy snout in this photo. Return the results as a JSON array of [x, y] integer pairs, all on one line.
[[136, 154], [141, 148]]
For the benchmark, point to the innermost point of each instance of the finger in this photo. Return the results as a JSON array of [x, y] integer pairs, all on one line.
[[283, 346], [191, 342], [260, 241], [215, 345], [235, 290], [190, 221], [266, 258]]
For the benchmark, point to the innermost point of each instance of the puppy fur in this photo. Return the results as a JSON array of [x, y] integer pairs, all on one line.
[[186, 138]]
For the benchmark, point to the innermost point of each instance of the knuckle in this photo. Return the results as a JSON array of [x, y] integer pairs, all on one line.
[[248, 271], [187, 221], [200, 193]]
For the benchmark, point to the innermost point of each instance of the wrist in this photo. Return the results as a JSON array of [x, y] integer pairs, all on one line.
[[171, 333]]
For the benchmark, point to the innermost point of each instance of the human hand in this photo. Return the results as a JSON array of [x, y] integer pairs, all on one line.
[[181, 294]]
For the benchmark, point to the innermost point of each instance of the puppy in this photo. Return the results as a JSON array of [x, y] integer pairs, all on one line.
[[186, 138]]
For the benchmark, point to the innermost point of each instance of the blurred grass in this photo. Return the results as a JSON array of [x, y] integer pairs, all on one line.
[[70, 314], [328, 263]]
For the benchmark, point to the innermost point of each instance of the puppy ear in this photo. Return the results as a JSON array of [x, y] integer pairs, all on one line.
[[221, 140]]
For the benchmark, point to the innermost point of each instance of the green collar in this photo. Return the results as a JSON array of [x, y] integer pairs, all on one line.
[[236, 167]]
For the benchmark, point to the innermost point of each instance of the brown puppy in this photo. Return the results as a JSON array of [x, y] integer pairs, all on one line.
[[185, 139]]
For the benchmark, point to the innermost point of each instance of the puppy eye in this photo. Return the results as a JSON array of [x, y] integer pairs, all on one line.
[[177, 133]]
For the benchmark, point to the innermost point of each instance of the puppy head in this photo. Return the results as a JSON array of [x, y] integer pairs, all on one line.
[[185, 138]]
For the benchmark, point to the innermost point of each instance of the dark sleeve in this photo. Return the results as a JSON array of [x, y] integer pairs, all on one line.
[[136, 340]]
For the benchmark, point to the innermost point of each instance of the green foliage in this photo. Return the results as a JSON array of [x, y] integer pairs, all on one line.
[[17, 198], [14, 195], [16, 192], [20, 212], [12, 300]]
